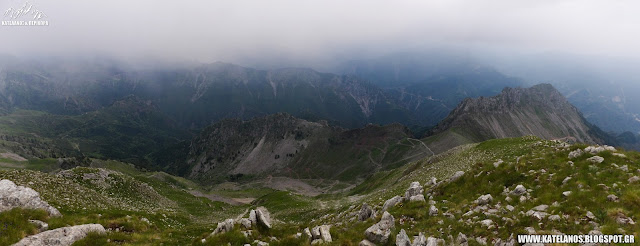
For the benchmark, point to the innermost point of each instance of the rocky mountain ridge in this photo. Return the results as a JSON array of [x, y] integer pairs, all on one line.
[[539, 110]]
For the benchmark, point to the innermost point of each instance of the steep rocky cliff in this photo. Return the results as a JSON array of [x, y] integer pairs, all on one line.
[[540, 110]]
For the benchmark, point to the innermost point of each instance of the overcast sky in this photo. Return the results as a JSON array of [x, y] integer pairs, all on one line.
[[235, 30]]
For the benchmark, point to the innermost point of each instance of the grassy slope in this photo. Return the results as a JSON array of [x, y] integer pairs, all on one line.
[[190, 219]]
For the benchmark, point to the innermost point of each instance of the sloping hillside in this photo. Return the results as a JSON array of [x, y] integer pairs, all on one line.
[[540, 111]]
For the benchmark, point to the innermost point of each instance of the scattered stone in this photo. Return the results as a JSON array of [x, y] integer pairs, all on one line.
[[497, 163], [488, 223], [523, 198], [414, 189], [595, 159], [391, 202], [461, 239], [61, 236], [14, 196], [456, 176], [481, 240], [366, 242], [554, 217], [379, 232], [419, 240], [575, 154], [432, 241], [565, 180], [315, 233], [403, 239], [590, 215], [484, 199], [260, 243], [307, 232], [620, 155], [633, 179], [566, 193], [530, 230], [225, 226], [536, 214], [42, 226], [418, 198], [365, 212], [433, 211], [541, 208], [509, 207], [518, 191], [244, 222], [433, 181], [612, 198], [595, 232]]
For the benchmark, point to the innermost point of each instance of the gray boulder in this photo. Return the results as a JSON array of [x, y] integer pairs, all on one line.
[[244, 222], [263, 217], [325, 234], [484, 199], [366, 242], [414, 189], [315, 233], [14, 196], [419, 240], [456, 176], [391, 202], [225, 226], [595, 159], [253, 218], [61, 236], [403, 239], [433, 211], [380, 232], [432, 241], [518, 191], [575, 154], [41, 225], [365, 212]]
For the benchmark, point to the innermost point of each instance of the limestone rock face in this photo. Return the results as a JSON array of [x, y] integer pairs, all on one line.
[[379, 232], [263, 217], [61, 236], [14, 196]]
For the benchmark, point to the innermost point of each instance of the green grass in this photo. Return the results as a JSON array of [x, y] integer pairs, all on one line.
[[14, 224]]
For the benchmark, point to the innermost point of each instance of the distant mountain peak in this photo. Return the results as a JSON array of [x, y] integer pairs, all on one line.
[[539, 110]]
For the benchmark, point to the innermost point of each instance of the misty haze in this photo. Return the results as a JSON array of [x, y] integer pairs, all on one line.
[[408, 123]]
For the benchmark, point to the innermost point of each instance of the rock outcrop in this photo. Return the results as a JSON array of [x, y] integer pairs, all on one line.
[[61, 236], [380, 232], [365, 213], [14, 196]]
